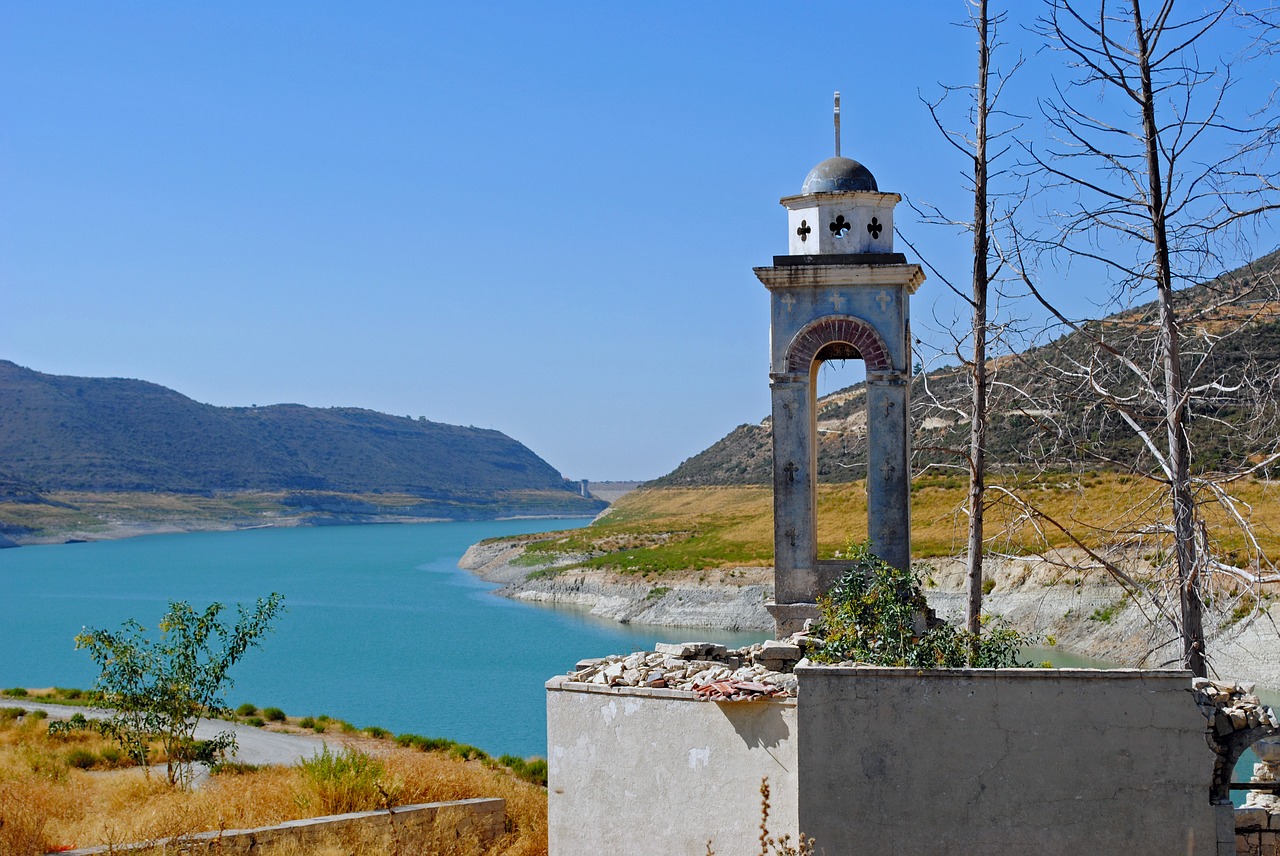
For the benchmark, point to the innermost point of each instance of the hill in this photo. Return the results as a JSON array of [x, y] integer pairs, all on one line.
[[1040, 409], [98, 438]]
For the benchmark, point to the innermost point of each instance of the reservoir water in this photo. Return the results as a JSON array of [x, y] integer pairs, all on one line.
[[381, 628]]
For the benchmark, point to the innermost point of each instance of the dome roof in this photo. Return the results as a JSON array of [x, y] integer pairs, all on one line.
[[838, 175]]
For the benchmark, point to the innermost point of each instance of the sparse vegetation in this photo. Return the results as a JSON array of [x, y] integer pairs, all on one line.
[[687, 531], [50, 799]]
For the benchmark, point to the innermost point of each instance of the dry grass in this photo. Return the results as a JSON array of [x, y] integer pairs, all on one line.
[[668, 532], [45, 804]]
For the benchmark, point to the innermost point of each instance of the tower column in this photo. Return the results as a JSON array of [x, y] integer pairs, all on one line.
[[888, 468], [794, 514]]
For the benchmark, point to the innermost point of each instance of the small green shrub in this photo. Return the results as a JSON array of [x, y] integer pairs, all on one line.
[[273, 714], [465, 752], [319, 726], [346, 727], [246, 709], [39, 714], [15, 692], [340, 782], [657, 592], [988, 585], [8, 714], [875, 614], [425, 744], [255, 721], [530, 770], [307, 722], [376, 732], [81, 759], [233, 768], [113, 757]]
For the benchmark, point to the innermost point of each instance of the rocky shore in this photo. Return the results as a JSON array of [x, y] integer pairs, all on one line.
[[1083, 615], [732, 599]]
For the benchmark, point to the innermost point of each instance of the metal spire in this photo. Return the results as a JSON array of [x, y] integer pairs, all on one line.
[[837, 123]]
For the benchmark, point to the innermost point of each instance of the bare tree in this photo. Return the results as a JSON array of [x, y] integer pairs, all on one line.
[[974, 142], [1159, 174]]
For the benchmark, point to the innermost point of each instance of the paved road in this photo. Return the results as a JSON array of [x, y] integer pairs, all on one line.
[[255, 746]]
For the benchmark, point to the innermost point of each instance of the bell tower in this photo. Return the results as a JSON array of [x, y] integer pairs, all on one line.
[[841, 292]]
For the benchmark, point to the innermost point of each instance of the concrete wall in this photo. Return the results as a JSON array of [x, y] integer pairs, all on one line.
[[483, 818], [651, 771], [1034, 761]]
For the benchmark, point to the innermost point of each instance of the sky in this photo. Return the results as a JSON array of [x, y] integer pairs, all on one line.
[[538, 218]]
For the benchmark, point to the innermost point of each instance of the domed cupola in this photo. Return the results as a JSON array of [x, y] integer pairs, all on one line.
[[840, 210], [839, 175]]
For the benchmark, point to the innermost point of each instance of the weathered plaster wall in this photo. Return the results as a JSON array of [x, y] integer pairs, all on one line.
[[652, 771], [1044, 762]]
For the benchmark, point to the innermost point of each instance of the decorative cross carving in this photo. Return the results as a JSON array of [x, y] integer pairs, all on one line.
[[791, 469], [789, 301], [887, 470], [837, 300], [875, 227], [803, 230], [884, 300], [791, 534], [840, 226]]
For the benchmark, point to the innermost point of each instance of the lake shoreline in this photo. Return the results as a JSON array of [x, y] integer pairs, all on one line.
[[1089, 617], [122, 529]]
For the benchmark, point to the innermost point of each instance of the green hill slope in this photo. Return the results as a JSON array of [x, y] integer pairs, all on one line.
[[114, 436]]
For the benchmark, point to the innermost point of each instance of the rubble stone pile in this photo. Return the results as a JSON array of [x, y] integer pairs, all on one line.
[[1231, 707], [714, 672]]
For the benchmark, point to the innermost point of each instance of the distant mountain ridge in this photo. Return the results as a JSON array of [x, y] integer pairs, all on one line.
[[113, 435]]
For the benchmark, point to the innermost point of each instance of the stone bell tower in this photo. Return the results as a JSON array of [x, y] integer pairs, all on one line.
[[840, 293]]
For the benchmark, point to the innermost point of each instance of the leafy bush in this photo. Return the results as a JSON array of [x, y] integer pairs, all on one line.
[[273, 714], [15, 692], [162, 686], [255, 721], [246, 709], [377, 732], [11, 713], [306, 722], [877, 614]]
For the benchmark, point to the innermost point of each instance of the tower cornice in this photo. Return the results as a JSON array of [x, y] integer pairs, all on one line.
[[844, 275]]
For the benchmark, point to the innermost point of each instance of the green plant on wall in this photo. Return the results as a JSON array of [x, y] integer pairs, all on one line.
[[876, 614]]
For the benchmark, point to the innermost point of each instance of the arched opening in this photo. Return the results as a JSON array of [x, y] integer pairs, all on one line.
[[838, 405], [840, 440]]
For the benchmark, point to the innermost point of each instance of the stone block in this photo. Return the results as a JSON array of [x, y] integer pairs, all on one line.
[[1251, 818]]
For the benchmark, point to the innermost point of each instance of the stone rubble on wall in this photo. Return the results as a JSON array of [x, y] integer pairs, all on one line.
[[1231, 707], [714, 672], [1234, 716]]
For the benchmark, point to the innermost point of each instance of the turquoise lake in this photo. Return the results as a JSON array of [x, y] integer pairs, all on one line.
[[381, 628]]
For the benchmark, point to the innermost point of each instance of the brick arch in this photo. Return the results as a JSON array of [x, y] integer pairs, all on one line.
[[838, 329]]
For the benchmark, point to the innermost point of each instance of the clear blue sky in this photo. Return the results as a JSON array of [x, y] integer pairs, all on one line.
[[540, 218]]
